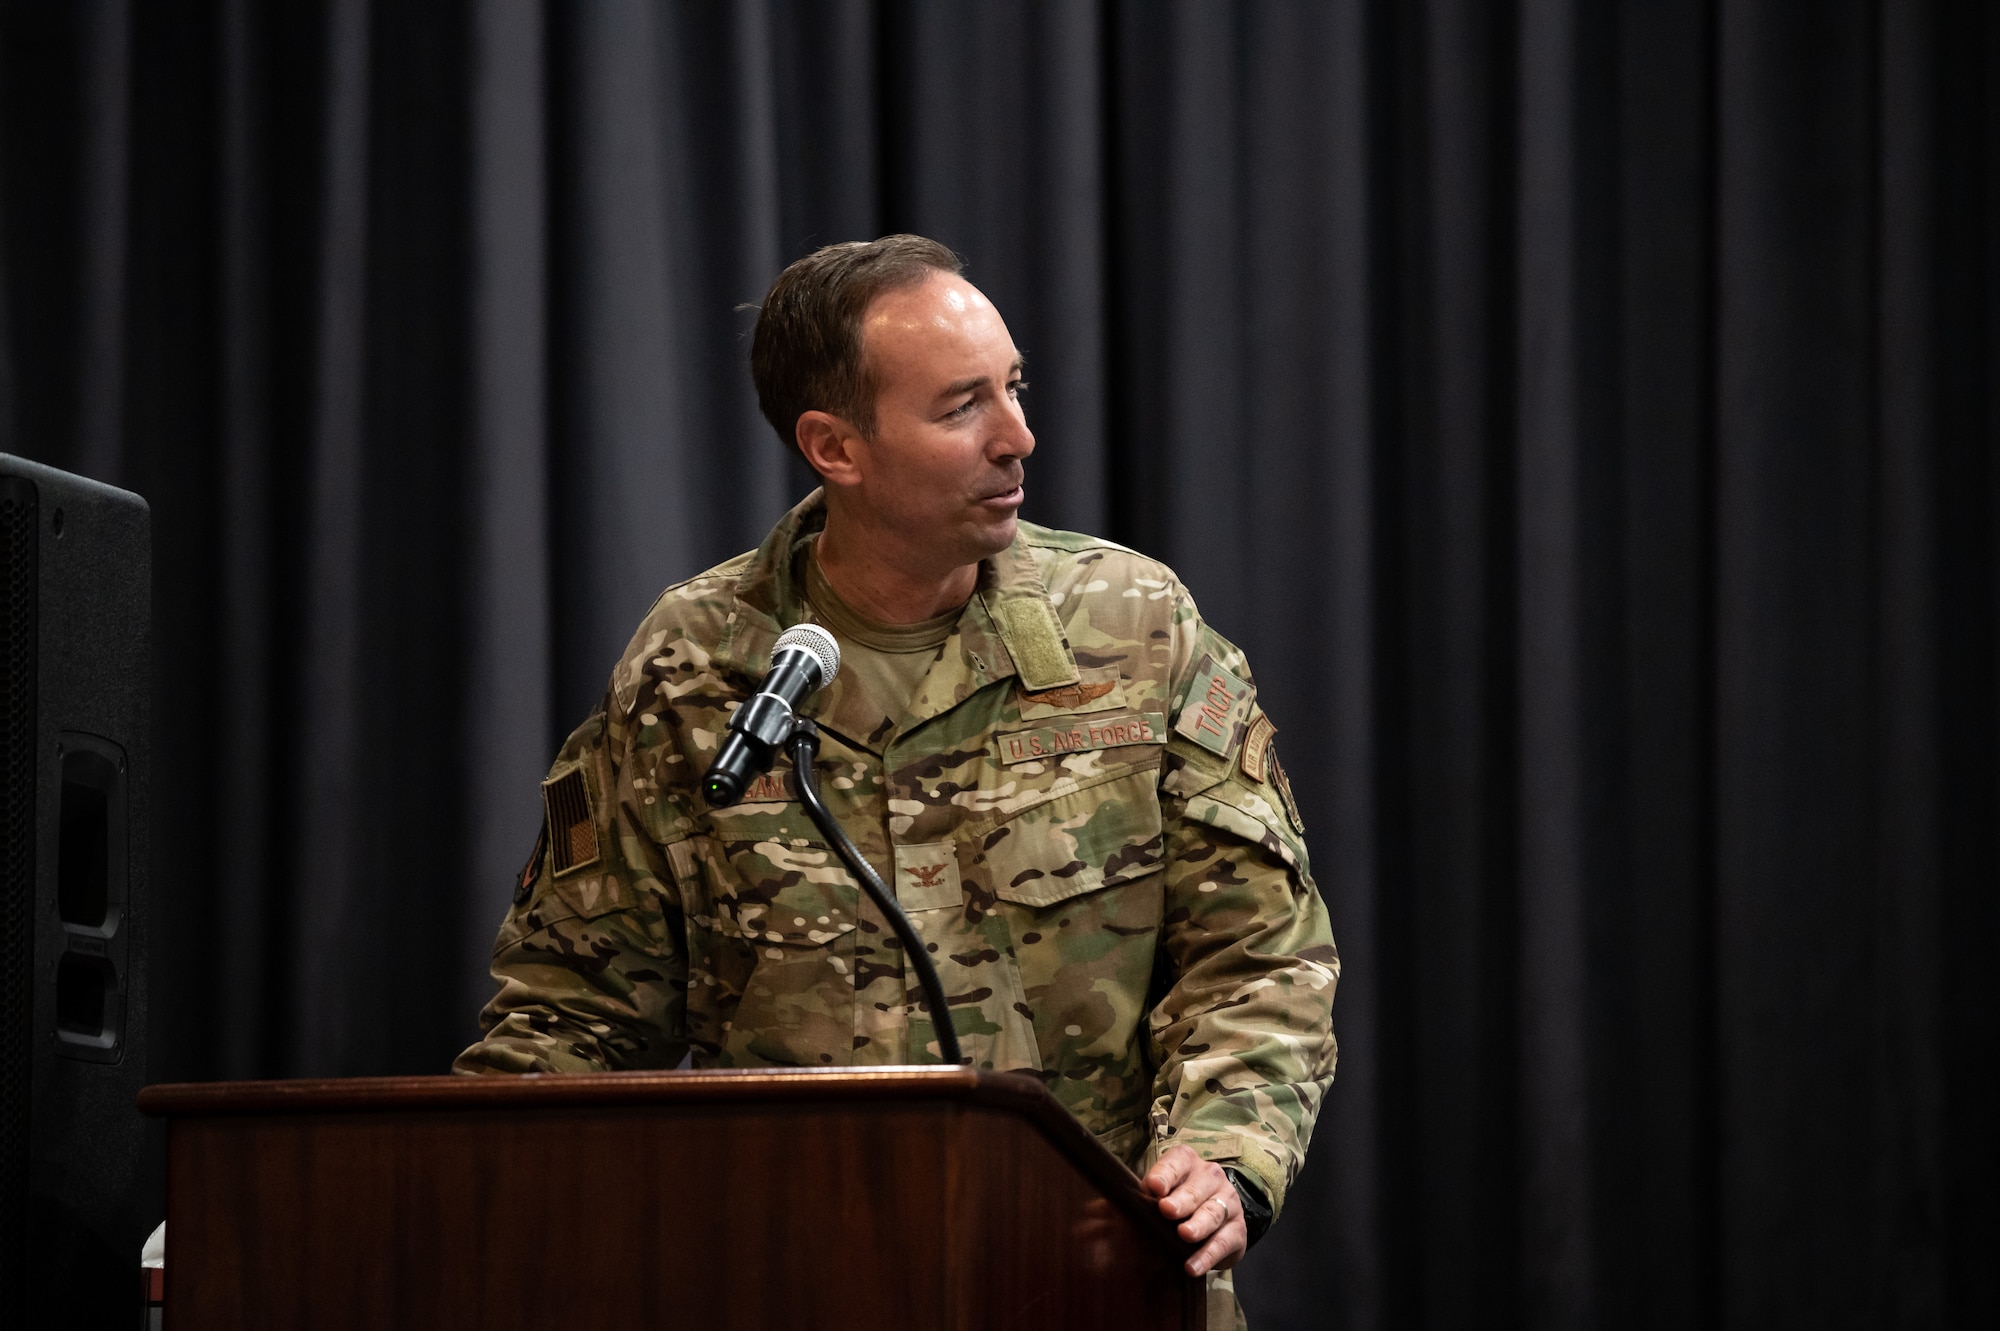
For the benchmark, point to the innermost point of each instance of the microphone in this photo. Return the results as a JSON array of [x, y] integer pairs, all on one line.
[[804, 661]]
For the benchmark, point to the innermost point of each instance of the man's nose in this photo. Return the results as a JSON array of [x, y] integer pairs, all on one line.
[[1014, 439]]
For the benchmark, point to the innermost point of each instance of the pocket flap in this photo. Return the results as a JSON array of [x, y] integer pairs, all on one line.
[[591, 893], [791, 891], [1077, 842]]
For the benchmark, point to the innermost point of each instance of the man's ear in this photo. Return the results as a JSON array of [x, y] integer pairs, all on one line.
[[831, 447]]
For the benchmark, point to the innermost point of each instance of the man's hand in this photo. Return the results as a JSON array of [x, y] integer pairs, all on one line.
[[1198, 1193]]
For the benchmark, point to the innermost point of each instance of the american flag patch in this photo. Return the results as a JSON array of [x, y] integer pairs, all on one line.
[[572, 831]]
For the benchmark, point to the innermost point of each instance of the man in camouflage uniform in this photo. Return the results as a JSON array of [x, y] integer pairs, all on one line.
[[1062, 771]]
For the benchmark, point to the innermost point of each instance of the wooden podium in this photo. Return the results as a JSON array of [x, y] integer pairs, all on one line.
[[885, 1198]]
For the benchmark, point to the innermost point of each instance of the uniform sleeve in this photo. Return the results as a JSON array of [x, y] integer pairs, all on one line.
[[1243, 1035], [591, 959]]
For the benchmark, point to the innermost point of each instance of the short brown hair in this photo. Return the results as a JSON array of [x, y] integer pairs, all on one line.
[[806, 352]]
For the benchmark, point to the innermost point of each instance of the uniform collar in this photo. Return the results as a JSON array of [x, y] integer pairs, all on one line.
[[767, 598], [1008, 628]]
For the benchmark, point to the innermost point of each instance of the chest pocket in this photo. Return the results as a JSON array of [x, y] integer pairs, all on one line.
[[1093, 836], [758, 877], [770, 939], [1078, 881]]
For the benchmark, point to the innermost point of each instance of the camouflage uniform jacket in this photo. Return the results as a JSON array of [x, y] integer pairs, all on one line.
[[1081, 812]]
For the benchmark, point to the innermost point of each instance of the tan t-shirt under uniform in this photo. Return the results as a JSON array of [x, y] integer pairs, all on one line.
[[886, 661]]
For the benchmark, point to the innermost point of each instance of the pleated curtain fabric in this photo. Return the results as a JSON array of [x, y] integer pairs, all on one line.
[[1582, 414]]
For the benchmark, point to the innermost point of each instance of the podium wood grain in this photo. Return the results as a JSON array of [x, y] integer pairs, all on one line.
[[885, 1198]]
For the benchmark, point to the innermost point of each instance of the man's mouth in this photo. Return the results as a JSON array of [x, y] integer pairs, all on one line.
[[1006, 497]]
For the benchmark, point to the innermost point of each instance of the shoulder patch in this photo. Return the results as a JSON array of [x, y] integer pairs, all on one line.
[[1257, 748], [1285, 794], [571, 828], [1217, 708]]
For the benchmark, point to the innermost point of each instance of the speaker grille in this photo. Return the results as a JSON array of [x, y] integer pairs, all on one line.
[[19, 535]]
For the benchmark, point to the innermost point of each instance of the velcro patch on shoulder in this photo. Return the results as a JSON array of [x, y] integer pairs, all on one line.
[[1217, 708], [1034, 638], [1257, 748], [572, 826]]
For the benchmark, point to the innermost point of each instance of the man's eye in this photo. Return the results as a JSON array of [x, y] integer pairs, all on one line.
[[1018, 387], [962, 409]]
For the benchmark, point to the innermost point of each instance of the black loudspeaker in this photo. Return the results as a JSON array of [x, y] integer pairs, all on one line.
[[77, 1166]]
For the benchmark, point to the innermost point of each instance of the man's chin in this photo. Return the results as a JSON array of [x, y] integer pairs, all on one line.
[[984, 538], [999, 534]]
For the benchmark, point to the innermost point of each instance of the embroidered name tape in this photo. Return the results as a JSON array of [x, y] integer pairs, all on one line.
[[769, 788], [1217, 708], [1082, 736]]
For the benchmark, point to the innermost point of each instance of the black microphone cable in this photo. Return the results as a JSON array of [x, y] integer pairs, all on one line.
[[805, 753]]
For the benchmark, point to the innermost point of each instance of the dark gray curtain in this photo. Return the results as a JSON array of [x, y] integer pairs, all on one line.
[[1583, 414]]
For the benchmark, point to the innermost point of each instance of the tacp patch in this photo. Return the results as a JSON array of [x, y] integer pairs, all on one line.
[[1217, 708], [571, 826], [1257, 748], [1108, 732], [927, 876], [524, 882]]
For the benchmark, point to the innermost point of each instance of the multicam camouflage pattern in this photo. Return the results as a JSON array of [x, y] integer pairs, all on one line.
[[1122, 911]]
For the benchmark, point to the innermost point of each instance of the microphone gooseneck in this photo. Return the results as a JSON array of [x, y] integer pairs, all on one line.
[[805, 754], [803, 661]]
